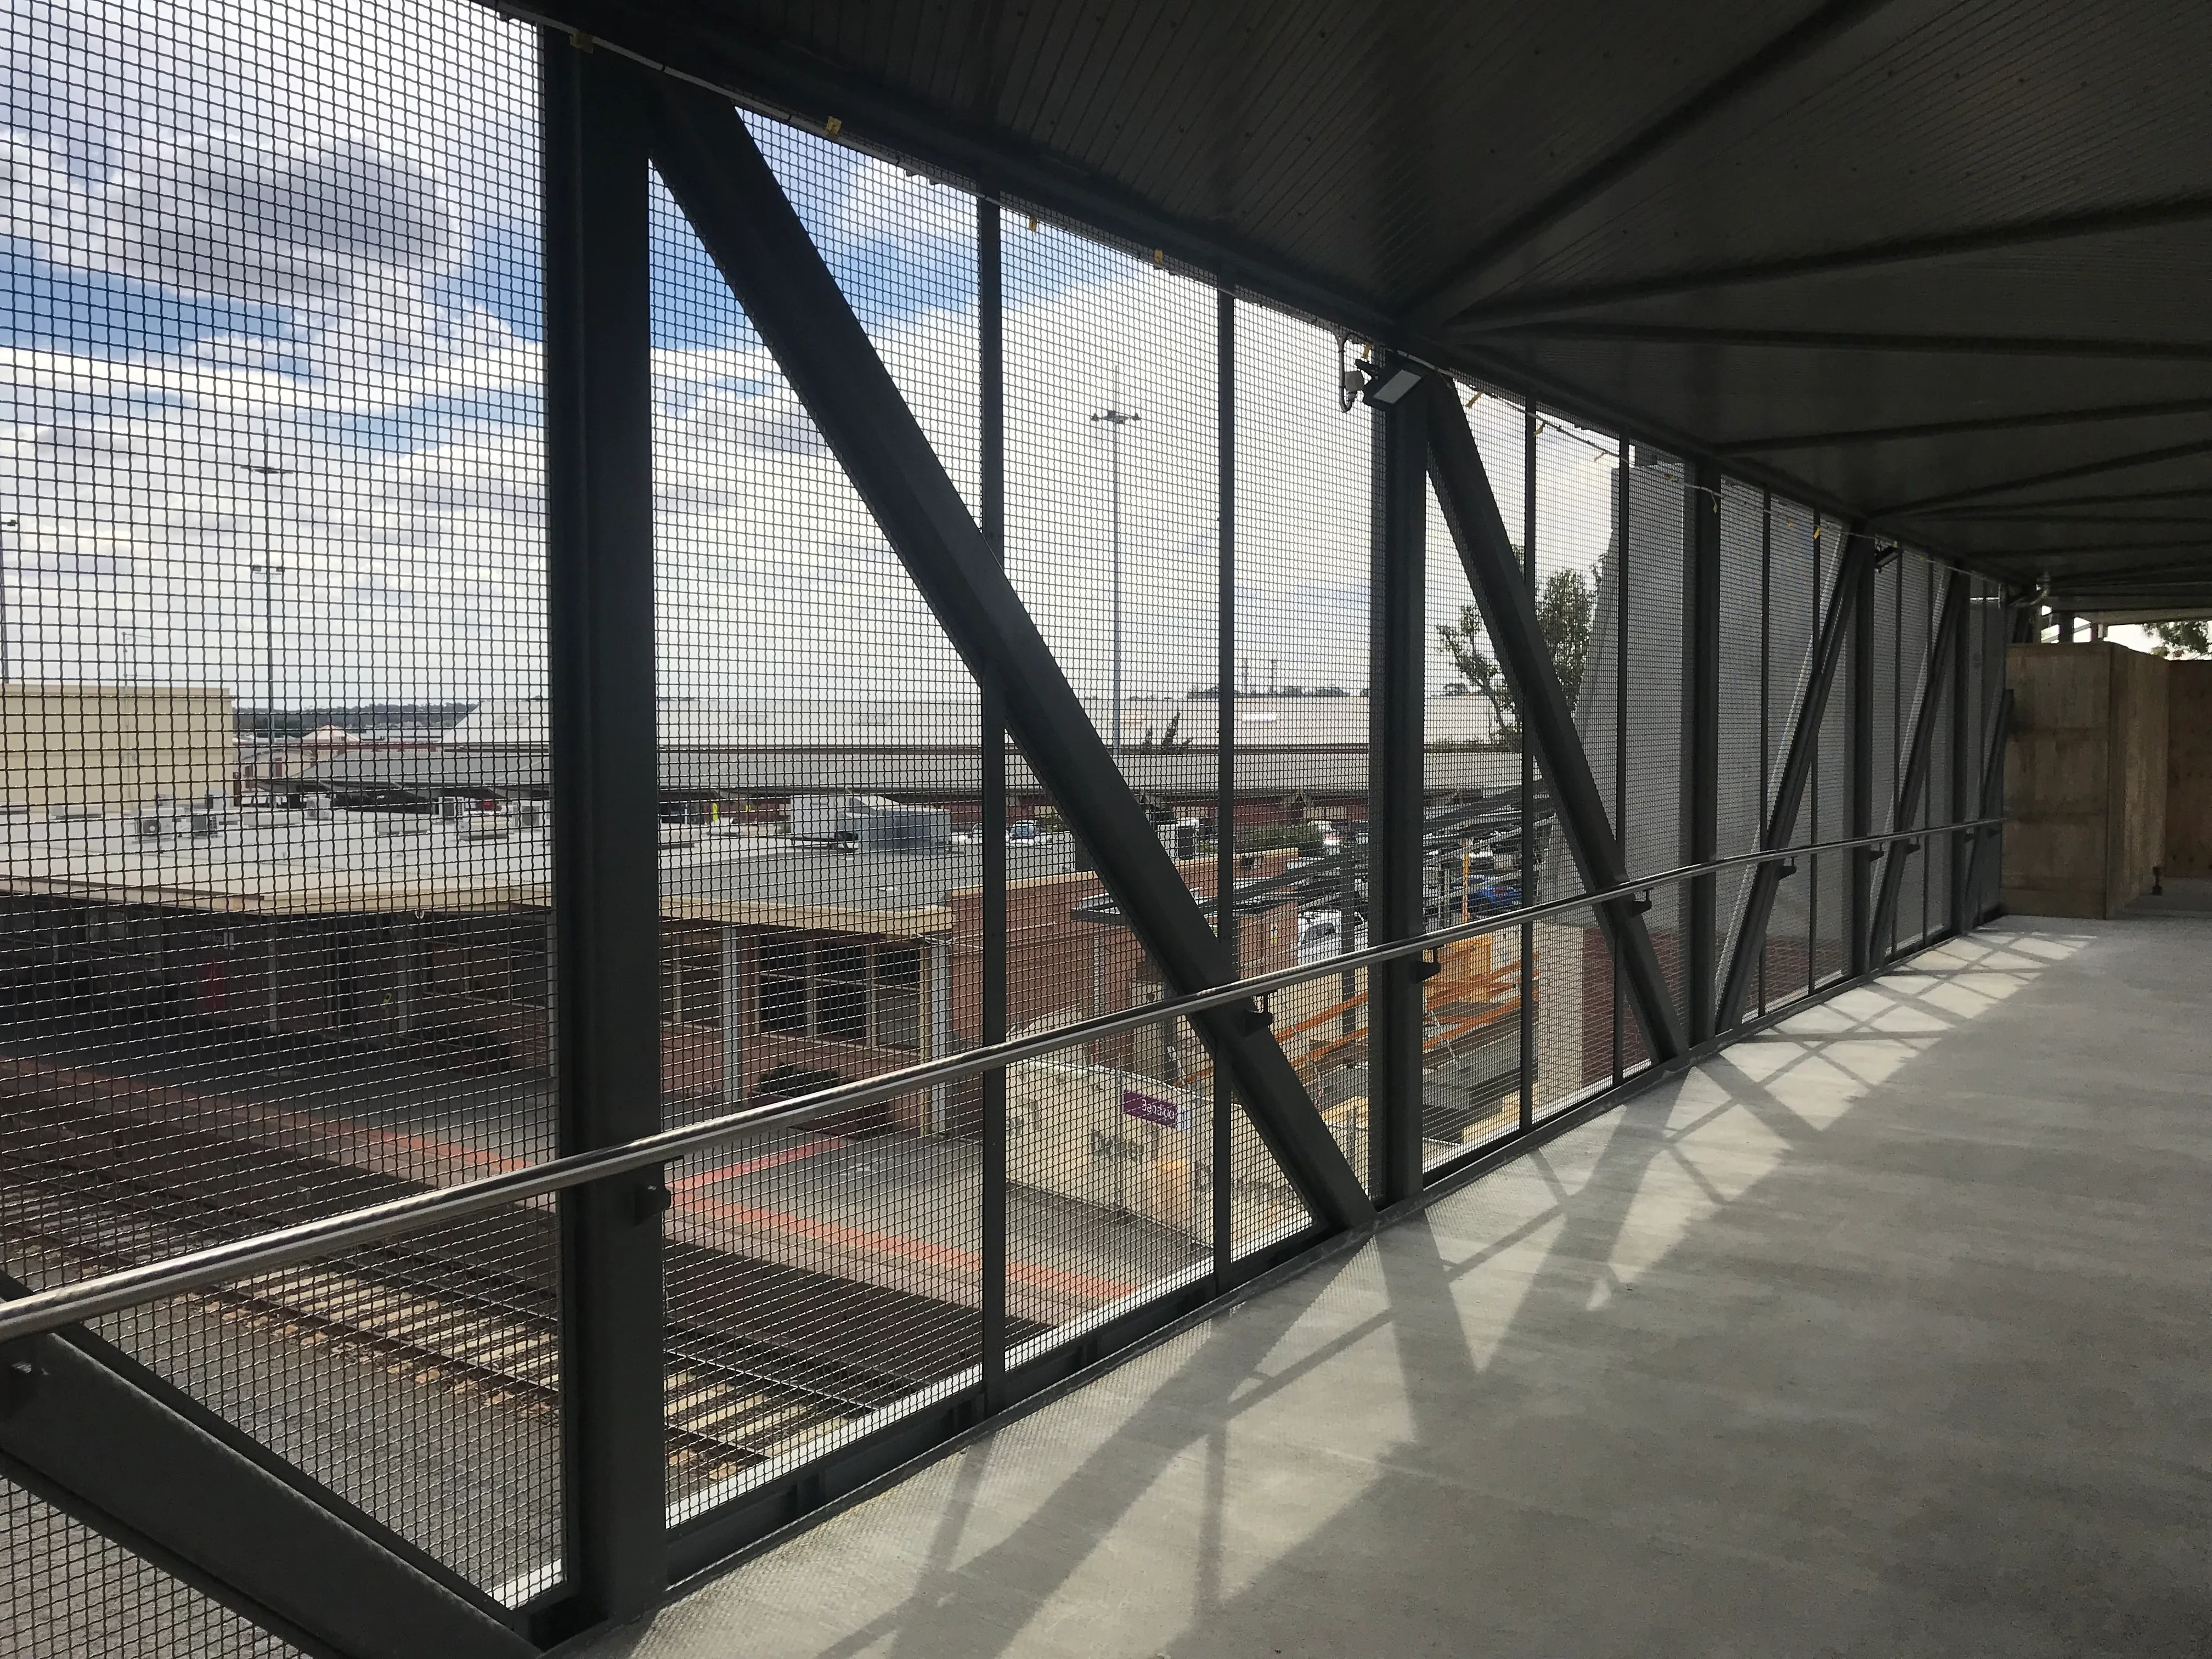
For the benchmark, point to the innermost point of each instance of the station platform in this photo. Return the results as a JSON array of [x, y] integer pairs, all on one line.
[[1883, 1334]]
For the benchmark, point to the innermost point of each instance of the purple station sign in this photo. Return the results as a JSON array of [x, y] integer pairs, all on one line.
[[1167, 1114]]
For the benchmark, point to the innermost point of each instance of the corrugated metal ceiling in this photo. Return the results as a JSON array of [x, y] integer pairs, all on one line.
[[1793, 234]]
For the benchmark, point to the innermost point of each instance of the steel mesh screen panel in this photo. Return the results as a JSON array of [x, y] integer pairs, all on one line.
[[1303, 491], [1109, 1147], [1113, 541], [1801, 598], [67, 1592], [1996, 635], [1829, 795], [418, 1379], [1890, 690], [1745, 720], [1941, 851], [273, 869], [1473, 767], [1576, 546], [1793, 606], [820, 872], [1586, 1032], [1650, 739], [1984, 654], [1915, 616]]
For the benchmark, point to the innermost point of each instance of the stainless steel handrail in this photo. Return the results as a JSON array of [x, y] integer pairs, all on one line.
[[68, 1304]]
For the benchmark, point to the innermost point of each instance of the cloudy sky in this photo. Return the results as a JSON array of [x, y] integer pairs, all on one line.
[[272, 302]]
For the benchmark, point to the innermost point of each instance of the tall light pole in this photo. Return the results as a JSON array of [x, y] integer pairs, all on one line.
[[269, 574], [1116, 418], [267, 571], [7, 666]]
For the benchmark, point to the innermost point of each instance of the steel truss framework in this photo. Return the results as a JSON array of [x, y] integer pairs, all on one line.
[[295, 1559]]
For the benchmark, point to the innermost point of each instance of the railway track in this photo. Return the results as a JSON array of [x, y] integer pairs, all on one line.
[[759, 1356]]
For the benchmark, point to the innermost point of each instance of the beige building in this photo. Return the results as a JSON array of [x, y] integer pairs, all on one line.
[[119, 748]]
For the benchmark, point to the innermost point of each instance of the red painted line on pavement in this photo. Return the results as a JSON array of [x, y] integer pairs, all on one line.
[[753, 1166], [120, 1091]]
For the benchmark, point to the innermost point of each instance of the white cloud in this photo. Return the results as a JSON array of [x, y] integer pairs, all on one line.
[[362, 169], [881, 202]]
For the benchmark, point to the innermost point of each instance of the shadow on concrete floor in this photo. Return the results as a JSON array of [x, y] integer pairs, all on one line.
[[1881, 1335]]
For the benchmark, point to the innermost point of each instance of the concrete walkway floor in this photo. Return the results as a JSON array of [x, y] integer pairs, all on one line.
[[1884, 1333]]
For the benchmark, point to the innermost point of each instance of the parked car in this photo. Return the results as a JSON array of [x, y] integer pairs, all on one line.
[[1320, 936]]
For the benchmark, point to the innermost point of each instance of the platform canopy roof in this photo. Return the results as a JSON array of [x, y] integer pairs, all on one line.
[[1940, 265]]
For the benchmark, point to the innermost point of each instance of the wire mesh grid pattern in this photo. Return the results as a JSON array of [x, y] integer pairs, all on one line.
[[1572, 517], [1748, 746], [1793, 602], [66, 1589], [1476, 830], [1915, 622], [277, 939], [1113, 542], [417, 1380], [1299, 769], [274, 933], [814, 932]]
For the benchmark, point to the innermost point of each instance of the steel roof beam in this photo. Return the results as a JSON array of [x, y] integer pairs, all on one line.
[[2193, 492], [1785, 52], [1510, 309], [1882, 435], [2087, 521], [1813, 339], [2079, 549], [749, 228], [2176, 578], [2048, 475]]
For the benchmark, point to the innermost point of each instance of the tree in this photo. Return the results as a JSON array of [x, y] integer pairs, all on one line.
[[2182, 639], [1562, 616], [1564, 607]]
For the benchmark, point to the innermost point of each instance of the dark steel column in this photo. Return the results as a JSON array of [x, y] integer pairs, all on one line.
[[1813, 802], [1623, 497], [1862, 735], [712, 167], [1502, 592], [606, 831], [991, 338], [1701, 742], [1530, 427], [1797, 767], [1766, 681], [1919, 752], [1396, 661], [1225, 922], [1958, 843]]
